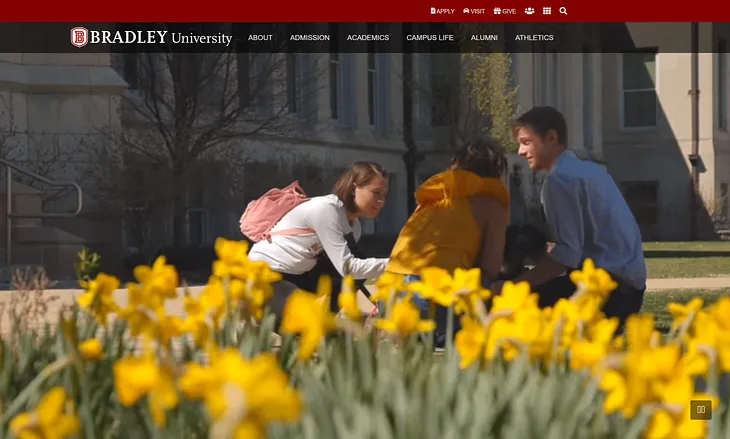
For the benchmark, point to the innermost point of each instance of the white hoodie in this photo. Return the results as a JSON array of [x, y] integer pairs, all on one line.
[[297, 254]]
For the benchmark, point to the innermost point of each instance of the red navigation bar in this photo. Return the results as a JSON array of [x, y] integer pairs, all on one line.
[[371, 11]]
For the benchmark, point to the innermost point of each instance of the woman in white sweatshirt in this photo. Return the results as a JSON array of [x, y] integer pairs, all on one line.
[[360, 192]]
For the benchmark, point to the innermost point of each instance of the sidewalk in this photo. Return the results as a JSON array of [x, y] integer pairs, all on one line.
[[175, 307], [699, 283]]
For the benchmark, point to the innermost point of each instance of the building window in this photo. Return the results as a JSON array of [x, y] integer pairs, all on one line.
[[587, 98], [293, 82], [243, 73], [197, 224], [722, 90], [261, 92], [372, 75], [131, 70], [642, 198], [554, 74], [134, 220], [335, 72], [638, 89], [545, 76]]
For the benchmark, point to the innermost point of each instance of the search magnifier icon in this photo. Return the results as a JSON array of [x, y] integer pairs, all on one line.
[[563, 10]]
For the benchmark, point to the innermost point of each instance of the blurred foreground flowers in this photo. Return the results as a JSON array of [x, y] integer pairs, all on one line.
[[130, 368]]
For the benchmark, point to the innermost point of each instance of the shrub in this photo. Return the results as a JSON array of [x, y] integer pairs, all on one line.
[[128, 369]]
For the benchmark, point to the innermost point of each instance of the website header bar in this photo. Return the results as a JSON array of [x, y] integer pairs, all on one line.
[[336, 38], [372, 11]]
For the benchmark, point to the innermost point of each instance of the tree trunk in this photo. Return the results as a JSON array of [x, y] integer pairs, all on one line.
[[179, 206], [410, 158]]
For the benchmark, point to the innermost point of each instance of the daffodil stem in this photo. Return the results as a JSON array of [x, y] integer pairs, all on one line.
[[86, 395], [432, 317], [557, 338], [580, 292], [449, 329], [349, 353], [46, 373], [684, 327]]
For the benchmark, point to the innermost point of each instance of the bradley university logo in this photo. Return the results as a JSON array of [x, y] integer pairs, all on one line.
[[79, 36]]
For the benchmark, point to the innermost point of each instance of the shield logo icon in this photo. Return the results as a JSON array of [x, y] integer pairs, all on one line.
[[79, 36]]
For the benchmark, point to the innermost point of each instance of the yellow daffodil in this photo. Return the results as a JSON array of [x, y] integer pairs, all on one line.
[[707, 335], [257, 289], [135, 377], [49, 420], [213, 299], [514, 296], [682, 312], [659, 363], [468, 286], [154, 324], [639, 389], [387, 285], [614, 384], [639, 331], [472, 303], [159, 280], [588, 307], [232, 259], [304, 315], [435, 285], [348, 300], [404, 320], [97, 298], [91, 350], [196, 321], [588, 352], [721, 311], [324, 290], [499, 331], [529, 330], [595, 281], [470, 341], [242, 396], [670, 425], [467, 280], [585, 354], [673, 419]]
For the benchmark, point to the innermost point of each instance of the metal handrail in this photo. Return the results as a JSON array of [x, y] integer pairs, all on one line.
[[9, 215]]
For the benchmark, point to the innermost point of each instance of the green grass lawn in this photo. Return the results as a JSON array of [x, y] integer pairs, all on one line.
[[687, 259], [656, 303]]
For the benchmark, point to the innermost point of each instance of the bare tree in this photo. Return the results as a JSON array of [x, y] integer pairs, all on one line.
[[185, 111], [492, 93], [472, 92]]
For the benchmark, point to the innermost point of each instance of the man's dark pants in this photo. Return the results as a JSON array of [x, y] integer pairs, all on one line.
[[622, 302]]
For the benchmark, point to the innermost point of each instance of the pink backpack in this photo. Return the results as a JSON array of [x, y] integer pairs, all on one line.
[[262, 215]]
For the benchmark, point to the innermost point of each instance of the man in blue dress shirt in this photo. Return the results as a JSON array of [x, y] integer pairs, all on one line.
[[587, 217]]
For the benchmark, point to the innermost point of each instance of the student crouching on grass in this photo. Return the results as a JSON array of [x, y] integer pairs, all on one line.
[[460, 222], [318, 236], [587, 217]]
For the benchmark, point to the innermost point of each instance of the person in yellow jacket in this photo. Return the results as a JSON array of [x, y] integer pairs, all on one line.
[[460, 221]]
